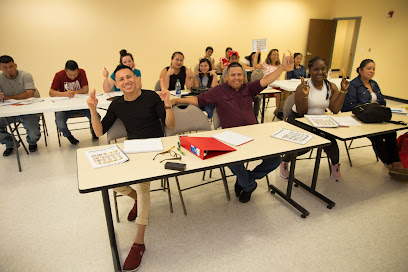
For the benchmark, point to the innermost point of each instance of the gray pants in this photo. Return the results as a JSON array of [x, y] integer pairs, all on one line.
[[30, 123]]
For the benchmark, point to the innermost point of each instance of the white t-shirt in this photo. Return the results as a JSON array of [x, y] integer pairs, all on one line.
[[318, 101], [373, 97]]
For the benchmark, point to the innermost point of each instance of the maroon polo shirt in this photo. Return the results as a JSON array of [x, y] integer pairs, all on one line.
[[233, 107]]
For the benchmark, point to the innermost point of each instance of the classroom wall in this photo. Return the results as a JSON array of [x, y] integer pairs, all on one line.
[[381, 39], [42, 35]]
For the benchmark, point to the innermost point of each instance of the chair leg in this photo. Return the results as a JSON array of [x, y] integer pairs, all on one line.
[[267, 181], [115, 202], [311, 152], [328, 161], [224, 180], [348, 154], [181, 196], [45, 130], [166, 181], [58, 134]]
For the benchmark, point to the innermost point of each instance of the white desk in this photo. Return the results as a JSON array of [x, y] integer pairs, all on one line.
[[291, 84], [142, 168]]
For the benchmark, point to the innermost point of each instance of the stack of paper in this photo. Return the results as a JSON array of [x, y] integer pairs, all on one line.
[[232, 138], [332, 121], [292, 136], [106, 156], [143, 145]]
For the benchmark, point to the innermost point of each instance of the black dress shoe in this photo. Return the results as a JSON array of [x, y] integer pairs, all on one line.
[[32, 148], [8, 151], [244, 197], [238, 189], [72, 140]]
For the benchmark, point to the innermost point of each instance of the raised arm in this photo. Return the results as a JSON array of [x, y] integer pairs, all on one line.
[[302, 97], [287, 65], [214, 79], [189, 78], [256, 64], [337, 98], [107, 82], [92, 102], [164, 94], [165, 75], [187, 100]]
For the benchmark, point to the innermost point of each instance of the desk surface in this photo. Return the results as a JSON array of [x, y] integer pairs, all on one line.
[[141, 166], [354, 132]]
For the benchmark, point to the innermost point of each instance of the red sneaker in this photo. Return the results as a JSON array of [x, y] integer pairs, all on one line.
[[133, 213], [134, 258]]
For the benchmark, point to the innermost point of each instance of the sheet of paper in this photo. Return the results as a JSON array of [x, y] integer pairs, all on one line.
[[182, 92], [143, 145], [106, 156], [232, 138], [261, 44], [399, 110], [346, 121], [321, 121], [293, 136], [59, 98]]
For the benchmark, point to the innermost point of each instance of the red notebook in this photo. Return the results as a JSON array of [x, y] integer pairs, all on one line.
[[204, 147]]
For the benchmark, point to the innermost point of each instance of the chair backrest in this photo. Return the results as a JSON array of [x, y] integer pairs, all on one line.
[[287, 108], [256, 75], [116, 131], [216, 119], [188, 119], [157, 86]]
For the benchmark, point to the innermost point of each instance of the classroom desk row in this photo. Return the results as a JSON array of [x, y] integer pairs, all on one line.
[[141, 167]]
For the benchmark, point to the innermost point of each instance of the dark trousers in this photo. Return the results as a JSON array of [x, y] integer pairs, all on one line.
[[386, 147]]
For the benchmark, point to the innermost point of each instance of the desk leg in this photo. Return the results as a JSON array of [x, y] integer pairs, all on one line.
[[263, 108], [111, 230], [312, 189], [288, 194], [224, 180]]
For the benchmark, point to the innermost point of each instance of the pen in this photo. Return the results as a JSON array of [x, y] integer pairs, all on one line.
[[171, 148], [179, 150]]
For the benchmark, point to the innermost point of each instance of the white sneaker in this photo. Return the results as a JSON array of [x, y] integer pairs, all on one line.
[[335, 172], [284, 172]]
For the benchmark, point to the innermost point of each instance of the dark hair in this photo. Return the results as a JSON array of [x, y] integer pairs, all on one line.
[[124, 53], [228, 48], [249, 58], [313, 60], [201, 75], [120, 67], [363, 64], [6, 59], [297, 54], [268, 57], [71, 65], [209, 48], [234, 64], [175, 53]]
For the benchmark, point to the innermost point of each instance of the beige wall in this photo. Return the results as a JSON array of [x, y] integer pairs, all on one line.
[[387, 39], [42, 35]]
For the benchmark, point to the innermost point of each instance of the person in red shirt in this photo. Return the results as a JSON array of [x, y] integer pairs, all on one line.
[[68, 83]]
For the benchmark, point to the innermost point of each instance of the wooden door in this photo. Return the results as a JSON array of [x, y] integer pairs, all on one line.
[[320, 40]]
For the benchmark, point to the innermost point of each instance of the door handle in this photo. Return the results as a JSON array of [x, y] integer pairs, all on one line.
[[308, 54]]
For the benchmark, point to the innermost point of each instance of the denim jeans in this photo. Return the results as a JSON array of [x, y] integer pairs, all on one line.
[[209, 109], [61, 118], [30, 123], [246, 178]]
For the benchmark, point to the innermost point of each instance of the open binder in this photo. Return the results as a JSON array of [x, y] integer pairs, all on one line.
[[204, 147]]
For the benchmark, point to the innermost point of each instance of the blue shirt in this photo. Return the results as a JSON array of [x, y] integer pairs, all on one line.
[[135, 71], [296, 73], [359, 94]]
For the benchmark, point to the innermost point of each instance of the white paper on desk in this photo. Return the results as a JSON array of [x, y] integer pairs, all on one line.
[[58, 98], [182, 92], [8, 102], [106, 156], [292, 136], [321, 121], [261, 44], [345, 121], [143, 145], [232, 138], [399, 110]]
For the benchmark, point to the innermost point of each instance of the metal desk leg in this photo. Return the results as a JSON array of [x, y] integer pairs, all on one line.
[[263, 108], [288, 194], [111, 230], [224, 180], [312, 188]]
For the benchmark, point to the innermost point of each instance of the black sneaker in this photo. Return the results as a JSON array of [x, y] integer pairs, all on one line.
[[244, 197], [32, 148], [72, 140], [8, 152], [238, 189]]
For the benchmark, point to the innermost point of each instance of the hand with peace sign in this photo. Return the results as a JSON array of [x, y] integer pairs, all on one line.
[[288, 61], [92, 101], [344, 84], [189, 73], [164, 94]]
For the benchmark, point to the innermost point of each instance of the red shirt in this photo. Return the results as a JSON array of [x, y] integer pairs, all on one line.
[[62, 82], [225, 61], [233, 107]]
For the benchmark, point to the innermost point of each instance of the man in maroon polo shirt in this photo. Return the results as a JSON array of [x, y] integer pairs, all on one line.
[[233, 101]]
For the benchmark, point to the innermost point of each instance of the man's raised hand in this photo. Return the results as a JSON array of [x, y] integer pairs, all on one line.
[[164, 93], [92, 101]]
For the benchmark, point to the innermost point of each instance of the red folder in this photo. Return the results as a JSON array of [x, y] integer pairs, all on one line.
[[204, 147]]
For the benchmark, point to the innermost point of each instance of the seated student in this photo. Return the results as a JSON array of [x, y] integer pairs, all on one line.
[[17, 84], [205, 77], [313, 97], [140, 112], [248, 61], [234, 58], [234, 106], [175, 71], [67, 83], [299, 70], [208, 53], [224, 61], [363, 90], [125, 59], [271, 63]]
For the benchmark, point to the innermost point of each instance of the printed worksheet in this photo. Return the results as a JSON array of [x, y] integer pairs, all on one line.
[[107, 156], [292, 136], [261, 44]]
